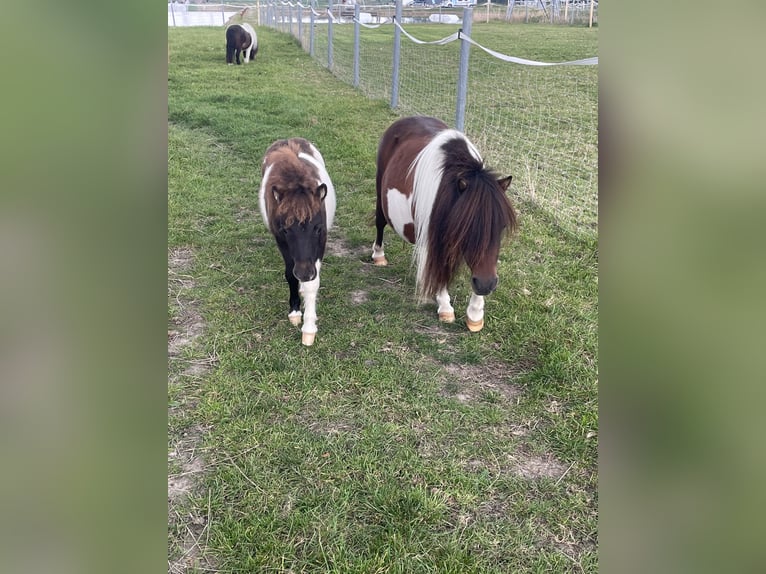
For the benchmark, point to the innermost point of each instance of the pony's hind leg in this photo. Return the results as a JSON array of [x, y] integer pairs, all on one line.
[[378, 255], [474, 315], [309, 290], [445, 310]]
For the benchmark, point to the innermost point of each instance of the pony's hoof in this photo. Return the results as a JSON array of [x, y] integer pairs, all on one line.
[[295, 319], [447, 316], [308, 339], [380, 261], [474, 326]]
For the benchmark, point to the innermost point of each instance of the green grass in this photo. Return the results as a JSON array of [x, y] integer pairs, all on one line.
[[395, 443]]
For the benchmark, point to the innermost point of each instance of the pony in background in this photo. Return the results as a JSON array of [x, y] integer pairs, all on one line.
[[297, 202], [241, 38], [433, 189]]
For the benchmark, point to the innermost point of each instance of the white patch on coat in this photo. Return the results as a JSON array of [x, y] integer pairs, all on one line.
[[253, 40], [399, 210], [316, 159], [262, 196]]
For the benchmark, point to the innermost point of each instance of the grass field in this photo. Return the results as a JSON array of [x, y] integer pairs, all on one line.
[[395, 443]]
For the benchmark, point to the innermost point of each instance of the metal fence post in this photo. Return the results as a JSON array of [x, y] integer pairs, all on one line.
[[329, 35], [300, 24], [397, 55], [462, 80], [290, 15], [311, 29], [172, 12], [356, 45]]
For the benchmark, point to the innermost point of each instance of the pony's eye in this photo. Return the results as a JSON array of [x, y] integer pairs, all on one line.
[[318, 230]]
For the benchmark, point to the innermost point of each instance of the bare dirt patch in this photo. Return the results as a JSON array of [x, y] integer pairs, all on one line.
[[246, 215], [523, 465], [534, 467], [358, 297], [338, 247], [187, 525], [469, 383]]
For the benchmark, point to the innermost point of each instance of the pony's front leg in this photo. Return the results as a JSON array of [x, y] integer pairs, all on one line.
[[445, 310], [309, 290], [474, 315], [295, 299], [378, 255]]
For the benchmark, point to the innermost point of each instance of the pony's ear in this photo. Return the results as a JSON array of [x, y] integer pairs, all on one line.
[[276, 193], [322, 191], [505, 182], [462, 185]]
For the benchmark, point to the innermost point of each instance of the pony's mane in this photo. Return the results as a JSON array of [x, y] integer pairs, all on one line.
[[453, 225], [429, 167]]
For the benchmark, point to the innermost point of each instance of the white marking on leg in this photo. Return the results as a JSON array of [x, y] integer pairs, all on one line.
[[378, 255], [309, 291], [445, 310], [475, 312], [295, 317]]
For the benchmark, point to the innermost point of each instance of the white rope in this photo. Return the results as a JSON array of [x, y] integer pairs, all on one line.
[[459, 35], [585, 62], [445, 40], [371, 26]]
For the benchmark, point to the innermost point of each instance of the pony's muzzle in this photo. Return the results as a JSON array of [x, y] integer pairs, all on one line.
[[483, 285], [304, 271]]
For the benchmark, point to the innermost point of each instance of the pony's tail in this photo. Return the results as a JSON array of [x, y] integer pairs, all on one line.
[[230, 49]]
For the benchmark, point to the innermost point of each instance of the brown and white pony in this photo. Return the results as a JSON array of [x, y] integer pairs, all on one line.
[[297, 201], [241, 38], [433, 189]]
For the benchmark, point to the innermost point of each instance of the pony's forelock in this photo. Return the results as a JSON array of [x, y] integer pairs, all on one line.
[[295, 170]]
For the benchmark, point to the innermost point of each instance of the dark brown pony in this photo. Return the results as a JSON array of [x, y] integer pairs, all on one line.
[[241, 38], [433, 189], [297, 202]]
